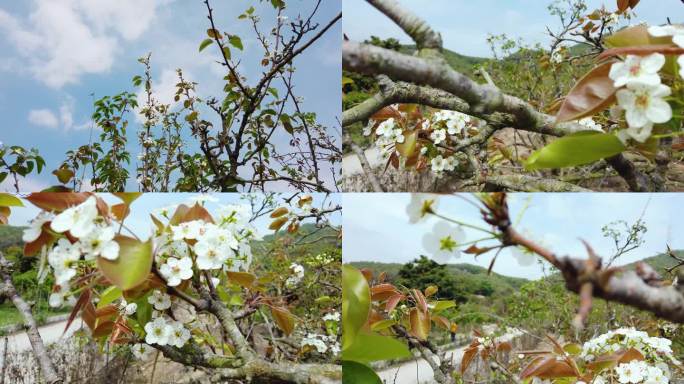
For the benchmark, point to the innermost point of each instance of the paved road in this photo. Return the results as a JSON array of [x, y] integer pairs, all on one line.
[[352, 166], [51, 333], [416, 371]]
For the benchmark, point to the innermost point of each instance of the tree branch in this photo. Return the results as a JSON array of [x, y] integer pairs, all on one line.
[[39, 351], [417, 28]]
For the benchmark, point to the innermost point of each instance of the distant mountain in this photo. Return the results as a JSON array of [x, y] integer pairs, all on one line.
[[468, 274], [10, 236], [462, 63], [660, 262]]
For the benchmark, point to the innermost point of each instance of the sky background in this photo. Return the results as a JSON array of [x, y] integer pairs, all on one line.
[[465, 24], [376, 226], [139, 219], [55, 53]]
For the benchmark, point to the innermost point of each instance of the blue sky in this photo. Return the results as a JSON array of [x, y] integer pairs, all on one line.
[[139, 219], [465, 24], [55, 53], [376, 226]]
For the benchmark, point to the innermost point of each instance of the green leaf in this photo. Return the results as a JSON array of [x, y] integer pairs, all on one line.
[[205, 43], [576, 149], [236, 42], [442, 306], [226, 52], [373, 347], [109, 295], [278, 3], [382, 324], [9, 200], [132, 266], [355, 303], [353, 372]]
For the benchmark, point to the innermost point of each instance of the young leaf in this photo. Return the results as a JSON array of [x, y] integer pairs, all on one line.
[[236, 42], [132, 266], [576, 149], [374, 347], [9, 200], [420, 323], [355, 303], [243, 279], [354, 372], [205, 43], [284, 319]]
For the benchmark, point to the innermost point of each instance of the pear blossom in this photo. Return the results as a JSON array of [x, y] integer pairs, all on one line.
[[78, 220], [56, 298], [62, 259], [640, 134], [100, 242], [187, 230], [175, 270], [524, 256], [676, 31], [438, 136], [160, 300], [590, 124], [420, 205], [35, 228], [158, 331], [333, 316], [443, 241], [632, 372], [142, 351], [297, 275], [127, 308], [437, 164], [644, 104], [637, 70], [385, 128], [179, 335]]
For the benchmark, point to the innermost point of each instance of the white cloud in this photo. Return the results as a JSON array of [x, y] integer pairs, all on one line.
[[63, 117], [43, 118], [65, 39]]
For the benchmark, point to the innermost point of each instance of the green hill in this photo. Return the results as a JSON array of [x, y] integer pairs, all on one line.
[[471, 277], [661, 261], [462, 63], [10, 236]]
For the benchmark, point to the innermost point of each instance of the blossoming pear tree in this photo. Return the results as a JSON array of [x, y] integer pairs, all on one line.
[[192, 291], [253, 135], [618, 119]]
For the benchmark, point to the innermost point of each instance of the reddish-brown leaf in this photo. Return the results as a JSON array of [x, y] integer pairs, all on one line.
[[198, 212], [103, 329], [381, 292], [593, 93], [80, 303], [284, 319], [393, 301], [120, 211], [242, 279], [421, 303], [442, 322], [420, 323], [642, 50], [35, 246], [468, 356]]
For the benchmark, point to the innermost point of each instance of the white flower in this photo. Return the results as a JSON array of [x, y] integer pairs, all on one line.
[[676, 31], [397, 136], [297, 275], [443, 241], [590, 124], [557, 56], [438, 136], [437, 164], [524, 256], [176, 270], [158, 331], [188, 230], [179, 334], [334, 316], [639, 134], [160, 300], [127, 308], [450, 163], [78, 220], [420, 205], [368, 129], [56, 298], [100, 242], [315, 341], [62, 258], [644, 104], [142, 351], [631, 372], [385, 128], [637, 69], [35, 228]]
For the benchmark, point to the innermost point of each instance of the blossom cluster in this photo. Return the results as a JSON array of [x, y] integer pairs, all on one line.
[[642, 94], [162, 331], [90, 236], [442, 128], [656, 351], [224, 245], [296, 277]]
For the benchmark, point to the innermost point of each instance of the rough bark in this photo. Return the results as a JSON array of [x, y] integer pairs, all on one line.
[[39, 351]]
